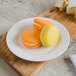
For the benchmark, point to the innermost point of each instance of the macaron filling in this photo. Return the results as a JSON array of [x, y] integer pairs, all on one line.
[[43, 34], [32, 44], [37, 24]]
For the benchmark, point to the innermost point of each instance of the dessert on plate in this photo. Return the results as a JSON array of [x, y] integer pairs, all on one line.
[[44, 33], [40, 23], [31, 38], [49, 35]]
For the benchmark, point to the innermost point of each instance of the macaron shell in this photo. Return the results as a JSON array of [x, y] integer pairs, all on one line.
[[42, 22], [51, 36], [31, 36]]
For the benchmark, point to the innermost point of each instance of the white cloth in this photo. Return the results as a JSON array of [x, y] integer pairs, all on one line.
[[72, 3], [73, 59]]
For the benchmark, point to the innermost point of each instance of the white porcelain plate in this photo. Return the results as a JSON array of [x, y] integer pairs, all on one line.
[[38, 54]]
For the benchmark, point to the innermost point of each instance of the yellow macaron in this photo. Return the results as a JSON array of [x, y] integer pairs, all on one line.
[[49, 35]]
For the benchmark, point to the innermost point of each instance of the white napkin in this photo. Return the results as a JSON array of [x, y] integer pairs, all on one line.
[[72, 3], [73, 59]]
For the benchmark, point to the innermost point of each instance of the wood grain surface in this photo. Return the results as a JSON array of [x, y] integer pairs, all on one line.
[[27, 68]]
